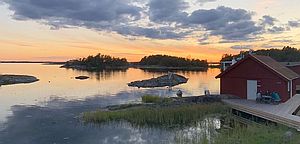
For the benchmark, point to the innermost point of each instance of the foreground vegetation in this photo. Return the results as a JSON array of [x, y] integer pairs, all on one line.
[[158, 116], [250, 134], [172, 61], [164, 113], [97, 62], [286, 54], [259, 134], [155, 99]]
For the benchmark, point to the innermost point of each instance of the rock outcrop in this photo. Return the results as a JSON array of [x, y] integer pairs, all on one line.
[[16, 79], [82, 77], [162, 81]]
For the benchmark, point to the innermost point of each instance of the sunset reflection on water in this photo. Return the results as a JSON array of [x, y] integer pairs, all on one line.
[[58, 82]]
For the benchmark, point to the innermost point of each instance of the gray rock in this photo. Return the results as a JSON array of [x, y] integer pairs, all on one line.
[[16, 79], [288, 135], [162, 81], [82, 77]]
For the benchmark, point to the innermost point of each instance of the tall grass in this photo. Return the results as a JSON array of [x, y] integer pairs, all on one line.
[[156, 99], [249, 134], [258, 134], [167, 117]]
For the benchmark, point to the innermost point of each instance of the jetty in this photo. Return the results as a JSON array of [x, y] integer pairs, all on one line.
[[284, 113]]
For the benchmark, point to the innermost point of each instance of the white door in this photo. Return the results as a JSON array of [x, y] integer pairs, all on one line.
[[251, 89]]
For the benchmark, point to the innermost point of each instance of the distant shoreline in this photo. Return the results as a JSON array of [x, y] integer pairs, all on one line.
[[170, 68], [131, 65], [43, 62], [85, 68], [146, 68]]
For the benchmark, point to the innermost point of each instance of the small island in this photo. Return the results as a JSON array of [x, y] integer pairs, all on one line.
[[170, 80], [82, 77], [98, 62], [16, 79], [166, 62]]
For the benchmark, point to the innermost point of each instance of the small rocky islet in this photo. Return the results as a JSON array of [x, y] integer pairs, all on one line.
[[170, 80], [82, 77], [16, 79]]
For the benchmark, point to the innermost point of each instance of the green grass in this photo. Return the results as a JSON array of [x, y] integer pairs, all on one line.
[[258, 134], [160, 116], [156, 99], [243, 134]]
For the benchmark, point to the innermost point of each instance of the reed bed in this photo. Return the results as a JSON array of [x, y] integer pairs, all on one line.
[[258, 134], [156, 99], [249, 134], [161, 116]]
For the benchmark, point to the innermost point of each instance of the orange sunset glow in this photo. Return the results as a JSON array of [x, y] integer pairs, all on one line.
[[60, 38]]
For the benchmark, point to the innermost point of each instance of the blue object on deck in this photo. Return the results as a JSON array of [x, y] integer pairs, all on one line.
[[276, 96]]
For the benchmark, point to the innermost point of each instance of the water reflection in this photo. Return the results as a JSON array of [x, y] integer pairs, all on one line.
[[60, 82], [101, 74], [58, 122], [46, 111], [204, 131]]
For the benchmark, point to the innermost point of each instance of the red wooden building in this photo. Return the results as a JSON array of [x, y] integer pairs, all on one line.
[[257, 73]]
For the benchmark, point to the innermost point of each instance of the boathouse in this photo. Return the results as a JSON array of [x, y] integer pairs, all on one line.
[[256, 73]]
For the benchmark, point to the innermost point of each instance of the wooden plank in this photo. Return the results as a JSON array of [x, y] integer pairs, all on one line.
[[281, 113]]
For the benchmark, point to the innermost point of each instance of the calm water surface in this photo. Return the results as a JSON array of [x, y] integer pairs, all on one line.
[[59, 97]]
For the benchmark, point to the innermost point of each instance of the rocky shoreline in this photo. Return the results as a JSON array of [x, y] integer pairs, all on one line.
[[16, 79], [162, 81]]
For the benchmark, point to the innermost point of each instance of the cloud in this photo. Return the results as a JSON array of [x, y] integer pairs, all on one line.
[[294, 23], [231, 24], [268, 46], [242, 47], [155, 19], [268, 20], [156, 33], [91, 10], [277, 29], [202, 2], [167, 10], [206, 1], [283, 41]]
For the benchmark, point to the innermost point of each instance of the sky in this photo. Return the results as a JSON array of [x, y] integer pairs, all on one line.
[[59, 30]]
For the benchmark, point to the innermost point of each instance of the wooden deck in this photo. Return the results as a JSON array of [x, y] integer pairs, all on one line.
[[282, 113]]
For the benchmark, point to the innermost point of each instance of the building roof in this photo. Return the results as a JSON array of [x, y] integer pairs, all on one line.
[[269, 63], [290, 64]]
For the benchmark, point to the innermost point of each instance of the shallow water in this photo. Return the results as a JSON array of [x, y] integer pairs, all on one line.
[[47, 111]]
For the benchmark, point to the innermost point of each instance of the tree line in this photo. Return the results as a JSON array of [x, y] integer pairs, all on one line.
[[99, 61], [286, 54], [171, 61]]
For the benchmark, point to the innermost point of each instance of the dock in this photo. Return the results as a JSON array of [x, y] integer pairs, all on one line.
[[282, 113]]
